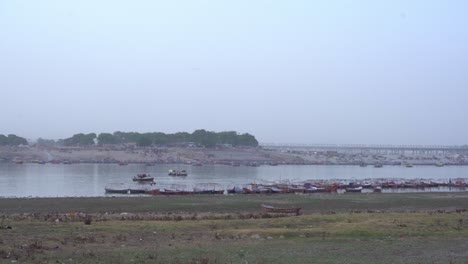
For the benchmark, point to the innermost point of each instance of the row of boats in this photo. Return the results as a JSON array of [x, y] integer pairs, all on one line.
[[374, 185], [407, 164], [170, 190]]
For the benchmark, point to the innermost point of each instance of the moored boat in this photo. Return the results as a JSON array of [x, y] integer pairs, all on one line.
[[354, 189], [117, 188], [143, 177], [177, 173], [153, 191], [137, 190]]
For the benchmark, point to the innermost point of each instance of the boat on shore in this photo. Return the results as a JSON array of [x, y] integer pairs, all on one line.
[[153, 191], [208, 188], [235, 190], [377, 189], [439, 164], [354, 189], [272, 209], [143, 177], [137, 190], [175, 192], [378, 165], [117, 188]]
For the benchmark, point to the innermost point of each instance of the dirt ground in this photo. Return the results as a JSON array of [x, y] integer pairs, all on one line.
[[375, 228]]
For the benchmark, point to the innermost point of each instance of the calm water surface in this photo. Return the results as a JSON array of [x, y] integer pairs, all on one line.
[[57, 180]]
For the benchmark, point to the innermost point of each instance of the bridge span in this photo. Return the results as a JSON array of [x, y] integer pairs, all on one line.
[[419, 149]]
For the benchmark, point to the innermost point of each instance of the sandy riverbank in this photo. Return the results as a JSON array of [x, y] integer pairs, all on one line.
[[222, 155]]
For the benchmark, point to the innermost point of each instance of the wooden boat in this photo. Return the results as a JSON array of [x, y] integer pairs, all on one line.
[[296, 189], [278, 190], [117, 189], [176, 192], [354, 189], [235, 189], [143, 177], [327, 189], [247, 190], [182, 173], [208, 188], [153, 192], [197, 190], [136, 190], [235, 164], [311, 189], [261, 189], [409, 185], [177, 173], [169, 192], [272, 209]]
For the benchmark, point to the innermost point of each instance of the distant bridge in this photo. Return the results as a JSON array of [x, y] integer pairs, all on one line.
[[370, 148]]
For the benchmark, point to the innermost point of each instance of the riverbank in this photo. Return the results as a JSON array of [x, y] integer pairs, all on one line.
[[234, 156], [383, 228]]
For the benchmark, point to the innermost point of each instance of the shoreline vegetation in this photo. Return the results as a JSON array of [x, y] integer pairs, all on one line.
[[384, 228], [199, 137], [198, 148]]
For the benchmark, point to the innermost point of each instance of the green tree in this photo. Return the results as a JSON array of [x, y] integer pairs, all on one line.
[[80, 140], [144, 141], [45, 142], [3, 140], [107, 138], [14, 140]]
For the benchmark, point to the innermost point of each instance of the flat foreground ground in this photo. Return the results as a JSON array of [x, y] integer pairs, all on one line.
[[348, 228]]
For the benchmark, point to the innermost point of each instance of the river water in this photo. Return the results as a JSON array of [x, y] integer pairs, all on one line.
[[58, 180]]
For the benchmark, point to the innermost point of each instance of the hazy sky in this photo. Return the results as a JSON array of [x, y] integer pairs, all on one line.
[[391, 72]]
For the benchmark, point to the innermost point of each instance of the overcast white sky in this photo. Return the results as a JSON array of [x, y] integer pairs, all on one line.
[[390, 72]]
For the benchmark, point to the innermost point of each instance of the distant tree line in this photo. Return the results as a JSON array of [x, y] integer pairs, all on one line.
[[201, 137], [12, 140]]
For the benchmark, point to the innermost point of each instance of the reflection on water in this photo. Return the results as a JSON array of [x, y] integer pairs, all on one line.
[[51, 180]]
